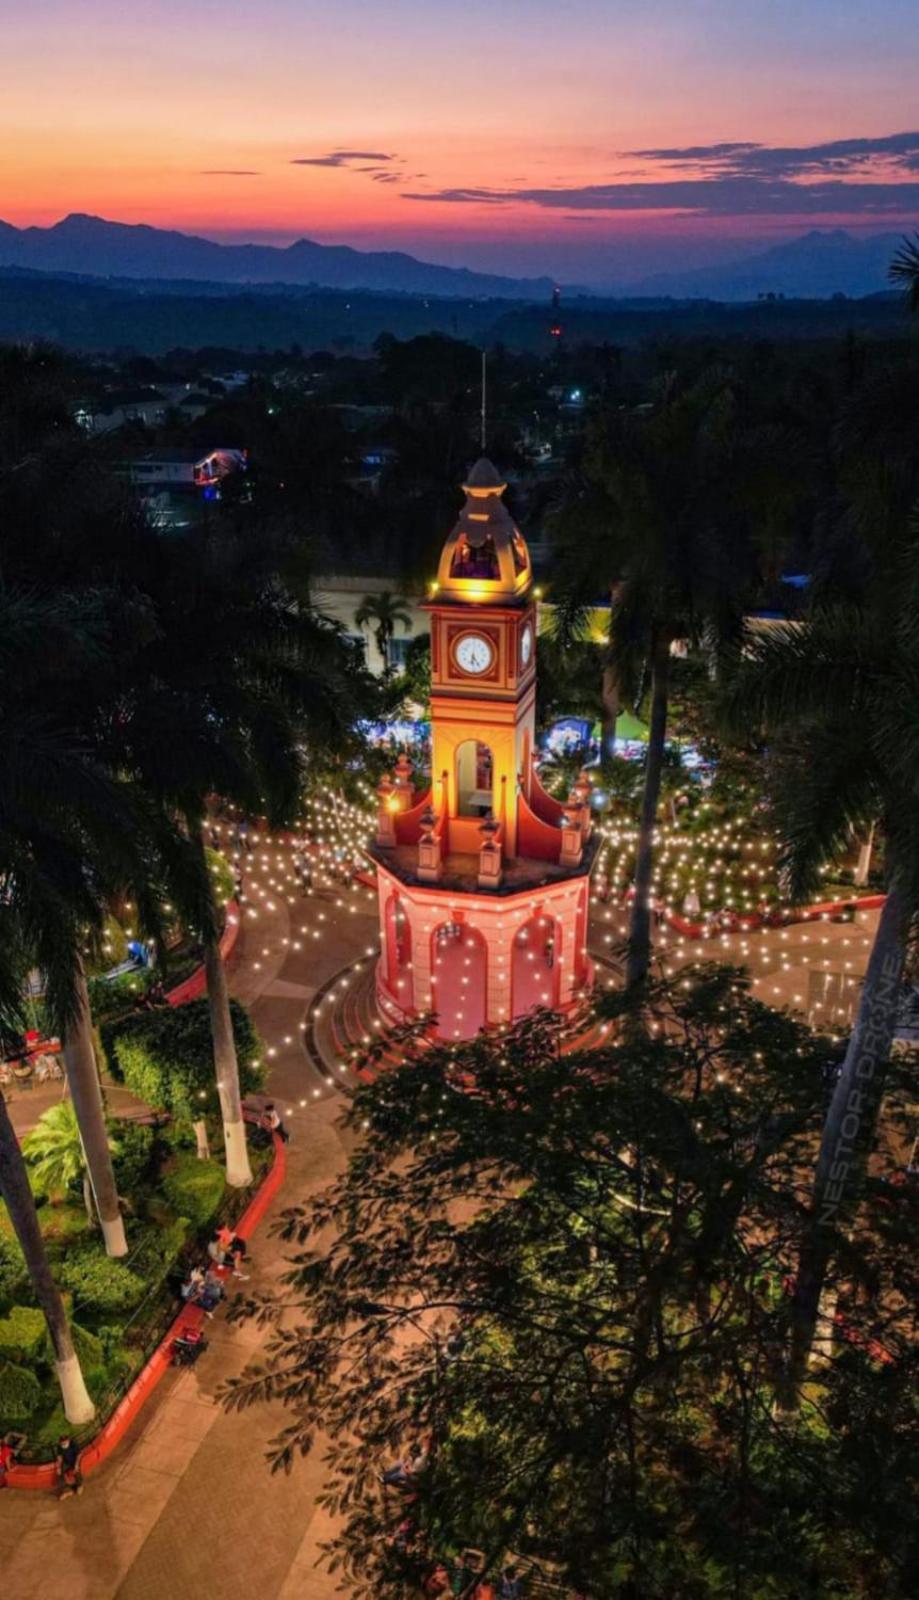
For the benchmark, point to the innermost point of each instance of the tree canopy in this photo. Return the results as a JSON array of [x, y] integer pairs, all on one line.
[[565, 1274]]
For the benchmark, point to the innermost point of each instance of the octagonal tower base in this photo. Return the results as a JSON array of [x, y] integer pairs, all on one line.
[[480, 960]]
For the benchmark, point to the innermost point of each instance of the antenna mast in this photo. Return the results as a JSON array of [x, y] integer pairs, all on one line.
[[484, 410]]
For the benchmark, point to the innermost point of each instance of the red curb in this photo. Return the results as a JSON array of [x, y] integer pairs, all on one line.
[[194, 986], [747, 922], [130, 1406]]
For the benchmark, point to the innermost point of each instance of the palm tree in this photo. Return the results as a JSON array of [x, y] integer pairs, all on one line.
[[382, 614], [904, 271], [17, 1196], [838, 694], [54, 1150], [68, 839], [665, 533], [234, 691]]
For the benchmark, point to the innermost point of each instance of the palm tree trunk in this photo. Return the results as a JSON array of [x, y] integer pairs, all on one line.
[[610, 695], [239, 1172], [17, 1195], [639, 953], [203, 1148], [863, 867], [849, 1129], [86, 1094]]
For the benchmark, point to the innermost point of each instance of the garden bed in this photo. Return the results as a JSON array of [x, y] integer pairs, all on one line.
[[120, 1310]]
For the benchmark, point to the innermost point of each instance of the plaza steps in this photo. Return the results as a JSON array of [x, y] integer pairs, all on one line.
[[346, 1023]]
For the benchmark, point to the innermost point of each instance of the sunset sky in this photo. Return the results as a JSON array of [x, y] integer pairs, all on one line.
[[509, 134]]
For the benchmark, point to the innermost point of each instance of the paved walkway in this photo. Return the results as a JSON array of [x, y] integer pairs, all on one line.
[[186, 1509]]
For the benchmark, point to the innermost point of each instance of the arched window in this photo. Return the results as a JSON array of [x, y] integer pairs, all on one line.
[[535, 968], [474, 779], [399, 951], [475, 560], [459, 970]]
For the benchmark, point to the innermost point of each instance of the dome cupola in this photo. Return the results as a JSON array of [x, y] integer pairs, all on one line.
[[485, 559]]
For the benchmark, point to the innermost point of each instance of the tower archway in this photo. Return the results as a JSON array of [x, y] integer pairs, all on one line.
[[475, 766], [459, 970], [535, 965]]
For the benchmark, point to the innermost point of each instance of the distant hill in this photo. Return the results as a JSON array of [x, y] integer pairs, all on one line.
[[151, 317], [815, 266], [92, 245]]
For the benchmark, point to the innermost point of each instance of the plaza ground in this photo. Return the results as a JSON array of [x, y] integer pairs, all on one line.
[[186, 1507]]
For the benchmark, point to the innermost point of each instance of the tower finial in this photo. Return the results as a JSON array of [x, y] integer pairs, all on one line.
[[484, 401]]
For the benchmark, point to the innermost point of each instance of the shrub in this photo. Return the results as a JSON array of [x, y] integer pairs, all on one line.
[[20, 1393], [22, 1335], [133, 1161], [99, 1283], [63, 1226], [194, 1189], [166, 1057], [88, 1346], [13, 1272]]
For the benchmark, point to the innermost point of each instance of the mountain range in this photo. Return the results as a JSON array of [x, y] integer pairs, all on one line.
[[815, 266], [94, 246]]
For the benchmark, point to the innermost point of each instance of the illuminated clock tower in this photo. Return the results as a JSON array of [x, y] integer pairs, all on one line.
[[483, 881]]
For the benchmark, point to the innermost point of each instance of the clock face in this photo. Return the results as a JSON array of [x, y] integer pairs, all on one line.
[[526, 645], [474, 654]]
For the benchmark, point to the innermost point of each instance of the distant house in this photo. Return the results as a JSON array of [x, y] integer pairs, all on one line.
[[121, 406], [146, 405], [176, 481]]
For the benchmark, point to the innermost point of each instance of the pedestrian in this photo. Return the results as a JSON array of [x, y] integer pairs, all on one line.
[[510, 1586], [271, 1122], [10, 1447], [232, 1246], [67, 1467]]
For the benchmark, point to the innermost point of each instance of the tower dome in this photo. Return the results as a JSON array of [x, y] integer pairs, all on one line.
[[485, 558]]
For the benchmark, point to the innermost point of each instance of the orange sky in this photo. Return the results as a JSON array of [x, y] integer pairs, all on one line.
[[145, 112]]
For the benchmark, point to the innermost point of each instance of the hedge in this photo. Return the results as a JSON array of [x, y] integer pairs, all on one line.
[[99, 1283], [22, 1335], [194, 1189], [13, 1271], [21, 1393], [166, 1057]]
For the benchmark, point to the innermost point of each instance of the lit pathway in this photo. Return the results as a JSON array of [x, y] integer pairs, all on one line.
[[186, 1509]]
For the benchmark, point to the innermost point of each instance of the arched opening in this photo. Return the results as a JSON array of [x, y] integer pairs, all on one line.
[[476, 560], [398, 951], [459, 972], [474, 779], [535, 968]]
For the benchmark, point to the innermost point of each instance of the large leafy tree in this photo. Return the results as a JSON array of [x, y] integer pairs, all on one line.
[[564, 1273]]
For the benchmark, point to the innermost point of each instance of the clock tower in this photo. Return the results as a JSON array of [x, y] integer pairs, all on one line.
[[483, 880], [483, 665]]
